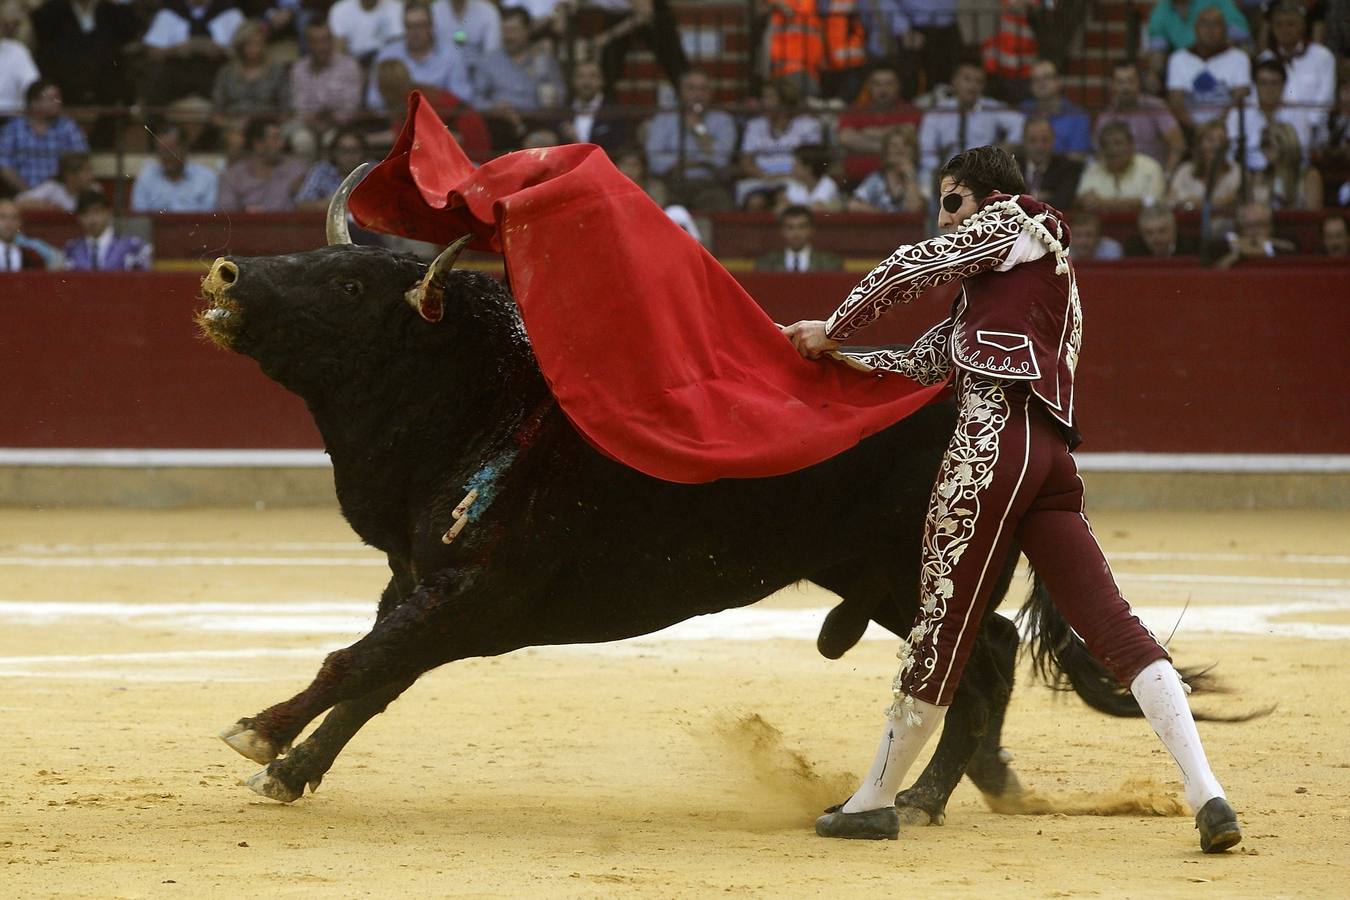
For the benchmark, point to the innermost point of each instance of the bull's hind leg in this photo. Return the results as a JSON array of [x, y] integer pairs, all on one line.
[[925, 801], [989, 769]]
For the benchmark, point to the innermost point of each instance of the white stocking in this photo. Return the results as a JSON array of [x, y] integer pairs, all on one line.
[[1161, 696], [901, 741]]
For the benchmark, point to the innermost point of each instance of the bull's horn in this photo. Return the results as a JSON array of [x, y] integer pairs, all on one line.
[[428, 296], [337, 207]]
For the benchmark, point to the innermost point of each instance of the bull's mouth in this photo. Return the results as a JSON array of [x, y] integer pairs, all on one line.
[[221, 318]]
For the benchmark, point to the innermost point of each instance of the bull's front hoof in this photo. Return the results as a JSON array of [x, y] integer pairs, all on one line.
[[250, 744], [265, 784]]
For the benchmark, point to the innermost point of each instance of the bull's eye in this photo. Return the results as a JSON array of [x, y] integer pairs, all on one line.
[[350, 287]]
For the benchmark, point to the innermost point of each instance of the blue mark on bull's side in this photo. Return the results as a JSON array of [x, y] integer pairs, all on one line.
[[485, 482]]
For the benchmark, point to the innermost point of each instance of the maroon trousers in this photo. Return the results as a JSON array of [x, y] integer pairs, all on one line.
[[1008, 476]]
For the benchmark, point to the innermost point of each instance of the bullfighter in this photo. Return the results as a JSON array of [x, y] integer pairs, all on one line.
[[1011, 345]]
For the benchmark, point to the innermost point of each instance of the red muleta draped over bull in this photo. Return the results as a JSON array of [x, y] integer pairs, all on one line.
[[653, 350]]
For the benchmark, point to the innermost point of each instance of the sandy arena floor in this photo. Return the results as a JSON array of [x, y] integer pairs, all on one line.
[[687, 765]]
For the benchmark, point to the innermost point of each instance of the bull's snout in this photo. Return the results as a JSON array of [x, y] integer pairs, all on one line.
[[217, 281], [219, 320]]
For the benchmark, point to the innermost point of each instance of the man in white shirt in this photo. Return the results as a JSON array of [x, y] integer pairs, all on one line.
[[365, 27], [14, 256], [1310, 66], [1119, 178], [1204, 80], [966, 119], [17, 69], [1266, 108]]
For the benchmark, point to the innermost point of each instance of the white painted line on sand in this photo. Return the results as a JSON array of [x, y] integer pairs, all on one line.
[[171, 562], [314, 459], [187, 547]]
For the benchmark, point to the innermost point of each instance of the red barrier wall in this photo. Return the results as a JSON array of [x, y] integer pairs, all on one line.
[[90, 360], [1174, 360]]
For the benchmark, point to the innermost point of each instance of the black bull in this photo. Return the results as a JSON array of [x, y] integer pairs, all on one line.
[[567, 546]]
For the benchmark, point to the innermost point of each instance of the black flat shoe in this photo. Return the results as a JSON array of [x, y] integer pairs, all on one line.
[[872, 825], [1217, 824]]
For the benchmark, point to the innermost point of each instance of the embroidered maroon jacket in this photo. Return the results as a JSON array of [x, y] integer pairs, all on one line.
[[1017, 316]]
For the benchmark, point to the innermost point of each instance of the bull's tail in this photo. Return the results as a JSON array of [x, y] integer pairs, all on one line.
[[1061, 659]]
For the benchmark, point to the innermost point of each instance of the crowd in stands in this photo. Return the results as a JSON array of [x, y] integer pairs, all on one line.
[[1233, 107]]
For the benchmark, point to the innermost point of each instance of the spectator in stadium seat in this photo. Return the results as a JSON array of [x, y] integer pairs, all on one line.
[[394, 82], [592, 119], [1172, 24], [895, 187], [473, 27], [31, 145], [809, 183], [1268, 106], [80, 45], [797, 225], [186, 44], [1072, 127], [632, 162], [250, 84], [325, 83], [771, 137], [1335, 240], [1254, 239], [429, 64], [15, 256], [365, 27], [170, 182], [1206, 78], [520, 76], [626, 21], [1119, 178], [266, 179], [691, 148], [1311, 67], [1155, 130], [1157, 236], [1088, 240], [1286, 181], [17, 68], [964, 120], [346, 150], [99, 248], [1210, 159], [73, 175], [865, 124], [1051, 177]]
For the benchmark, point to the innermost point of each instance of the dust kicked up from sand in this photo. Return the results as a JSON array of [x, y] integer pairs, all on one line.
[[772, 784], [1134, 797]]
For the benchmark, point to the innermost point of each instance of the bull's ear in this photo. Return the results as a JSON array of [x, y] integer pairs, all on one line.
[[428, 295]]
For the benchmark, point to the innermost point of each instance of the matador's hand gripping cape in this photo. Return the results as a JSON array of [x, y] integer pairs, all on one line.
[[653, 350]]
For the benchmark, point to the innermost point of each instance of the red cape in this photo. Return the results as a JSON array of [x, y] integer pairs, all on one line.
[[653, 350]]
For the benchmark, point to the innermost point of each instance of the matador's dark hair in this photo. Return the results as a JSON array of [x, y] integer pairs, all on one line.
[[985, 170]]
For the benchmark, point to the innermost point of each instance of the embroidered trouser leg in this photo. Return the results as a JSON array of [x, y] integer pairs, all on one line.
[[1008, 475]]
